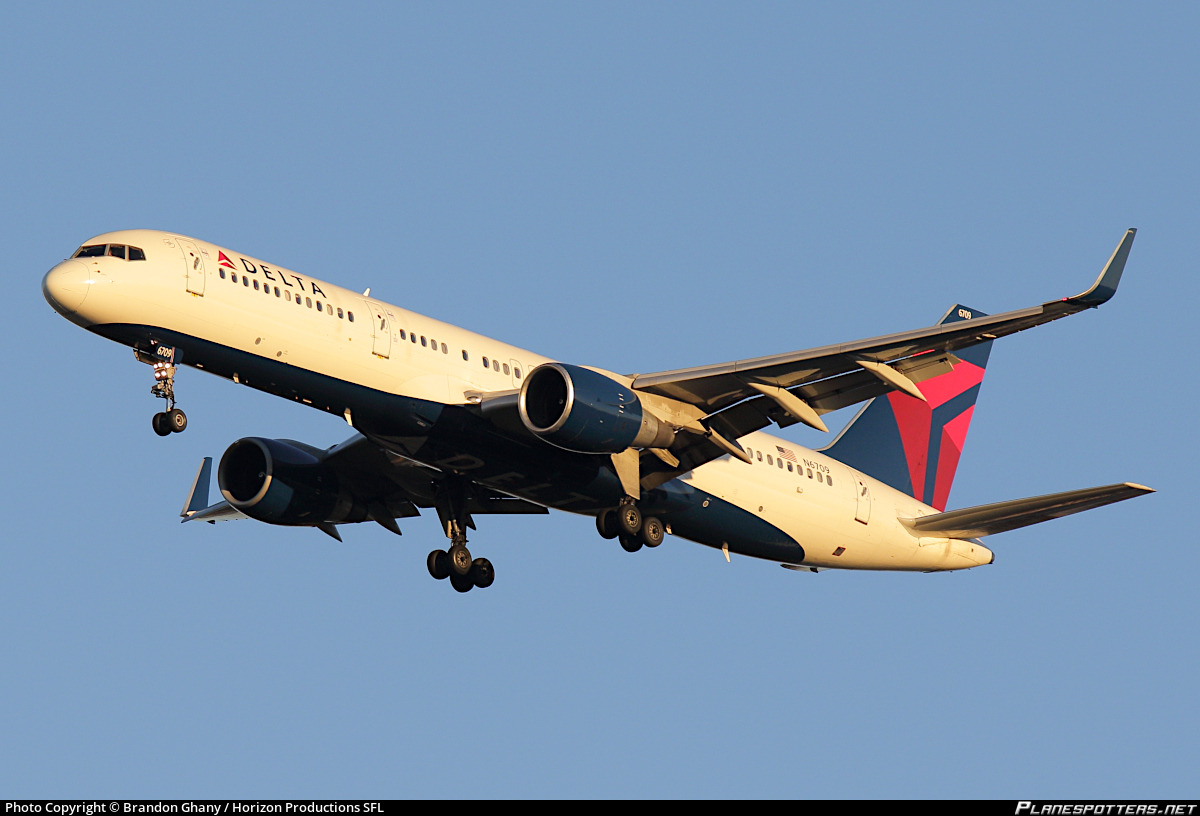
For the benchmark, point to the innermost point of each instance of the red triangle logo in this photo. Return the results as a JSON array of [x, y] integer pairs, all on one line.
[[223, 260]]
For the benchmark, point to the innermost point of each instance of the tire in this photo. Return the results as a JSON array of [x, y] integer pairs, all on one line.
[[438, 564], [461, 583], [460, 561], [629, 519], [482, 574], [159, 423], [631, 543], [176, 420], [606, 524], [652, 532]]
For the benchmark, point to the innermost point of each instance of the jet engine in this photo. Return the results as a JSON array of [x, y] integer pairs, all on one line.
[[279, 482], [581, 410]]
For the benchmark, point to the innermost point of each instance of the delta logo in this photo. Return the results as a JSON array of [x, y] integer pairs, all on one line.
[[223, 260]]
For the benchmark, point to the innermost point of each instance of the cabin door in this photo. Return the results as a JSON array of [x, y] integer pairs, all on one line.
[[381, 331], [195, 266], [862, 511]]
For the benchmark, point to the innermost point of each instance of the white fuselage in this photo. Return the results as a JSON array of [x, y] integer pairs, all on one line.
[[840, 517]]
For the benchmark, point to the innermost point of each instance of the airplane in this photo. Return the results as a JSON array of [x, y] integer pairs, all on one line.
[[466, 425]]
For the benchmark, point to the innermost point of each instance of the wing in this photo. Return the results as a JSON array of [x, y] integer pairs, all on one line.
[[739, 397], [989, 519], [389, 485]]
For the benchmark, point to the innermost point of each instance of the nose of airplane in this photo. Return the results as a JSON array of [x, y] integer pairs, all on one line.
[[66, 285]]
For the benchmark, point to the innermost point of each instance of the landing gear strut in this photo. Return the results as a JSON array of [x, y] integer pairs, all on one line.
[[172, 420], [456, 562]]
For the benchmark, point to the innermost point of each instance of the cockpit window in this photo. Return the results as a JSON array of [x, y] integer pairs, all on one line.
[[129, 253]]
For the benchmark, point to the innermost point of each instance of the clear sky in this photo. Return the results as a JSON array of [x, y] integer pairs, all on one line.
[[638, 186]]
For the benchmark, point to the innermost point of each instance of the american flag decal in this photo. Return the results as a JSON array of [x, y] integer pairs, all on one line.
[[784, 453]]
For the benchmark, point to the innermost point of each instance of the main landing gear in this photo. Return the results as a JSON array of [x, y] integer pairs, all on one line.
[[625, 523], [456, 562]]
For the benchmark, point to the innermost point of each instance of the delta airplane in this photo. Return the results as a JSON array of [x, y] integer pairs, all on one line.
[[466, 425]]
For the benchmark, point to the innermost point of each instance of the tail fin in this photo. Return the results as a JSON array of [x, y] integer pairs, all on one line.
[[914, 446]]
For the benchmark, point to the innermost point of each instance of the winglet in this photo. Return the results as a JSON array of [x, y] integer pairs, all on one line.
[[1106, 285], [198, 497]]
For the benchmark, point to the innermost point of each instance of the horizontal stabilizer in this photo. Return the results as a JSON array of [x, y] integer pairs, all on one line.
[[989, 519]]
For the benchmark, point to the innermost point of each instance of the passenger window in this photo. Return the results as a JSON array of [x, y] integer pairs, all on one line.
[[819, 477], [465, 354], [506, 368], [318, 305], [246, 282], [308, 303], [403, 336], [276, 291], [221, 272], [287, 296], [412, 337], [233, 276], [517, 373], [423, 342], [136, 254], [256, 284], [350, 316], [495, 365], [759, 456], [829, 480], [780, 463], [485, 363], [116, 250], [769, 462], [340, 313], [810, 473], [789, 467], [445, 349]]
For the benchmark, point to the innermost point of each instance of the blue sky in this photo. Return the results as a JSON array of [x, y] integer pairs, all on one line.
[[639, 187]]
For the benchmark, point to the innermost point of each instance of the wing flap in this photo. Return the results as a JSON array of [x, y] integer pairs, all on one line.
[[989, 519]]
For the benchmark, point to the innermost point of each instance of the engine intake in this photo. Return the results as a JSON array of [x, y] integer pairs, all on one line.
[[580, 410], [273, 481]]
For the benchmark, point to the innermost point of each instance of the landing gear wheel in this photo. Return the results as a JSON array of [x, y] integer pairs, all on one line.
[[629, 519], [438, 564], [462, 583], [482, 573], [176, 420], [652, 532], [606, 524], [631, 543], [159, 422], [460, 561]]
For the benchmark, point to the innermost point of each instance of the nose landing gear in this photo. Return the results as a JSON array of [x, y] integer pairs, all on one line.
[[172, 420]]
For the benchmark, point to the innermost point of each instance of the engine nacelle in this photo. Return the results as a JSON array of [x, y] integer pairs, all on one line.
[[580, 410], [273, 481]]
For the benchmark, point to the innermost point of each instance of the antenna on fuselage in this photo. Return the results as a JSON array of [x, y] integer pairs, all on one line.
[[368, 292]]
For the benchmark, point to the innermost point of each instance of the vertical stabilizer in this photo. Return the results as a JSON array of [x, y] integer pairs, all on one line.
[[914, 446]]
